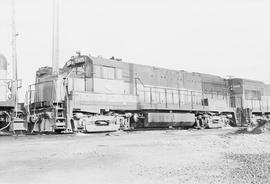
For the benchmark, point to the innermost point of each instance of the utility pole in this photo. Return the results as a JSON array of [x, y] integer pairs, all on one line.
[[55, 37], [14, 58]]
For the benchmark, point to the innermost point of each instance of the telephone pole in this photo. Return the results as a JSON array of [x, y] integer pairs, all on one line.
[[55, 37], [14, 58]]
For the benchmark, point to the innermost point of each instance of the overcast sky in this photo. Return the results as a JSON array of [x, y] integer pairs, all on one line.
[[222, 37]]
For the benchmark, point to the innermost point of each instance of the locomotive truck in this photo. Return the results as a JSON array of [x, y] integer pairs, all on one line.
[[97, 94]]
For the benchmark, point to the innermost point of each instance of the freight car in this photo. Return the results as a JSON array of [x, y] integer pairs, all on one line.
[[130, 95]]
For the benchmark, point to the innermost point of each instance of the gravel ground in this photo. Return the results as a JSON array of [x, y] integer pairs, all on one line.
[[169, 156], [253, 168]]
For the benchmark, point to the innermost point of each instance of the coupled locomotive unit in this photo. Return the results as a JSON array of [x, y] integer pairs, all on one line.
[[94, 94], [7, 103]]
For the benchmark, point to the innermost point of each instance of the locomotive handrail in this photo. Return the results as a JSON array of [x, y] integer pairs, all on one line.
[[6, 80], [191, 95], [137, 78], [41, 82], [167, 88], [34, 90]]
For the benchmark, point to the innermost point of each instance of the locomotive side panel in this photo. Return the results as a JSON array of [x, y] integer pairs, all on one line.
[[180, 90], [192, 81], [48, 90], [6, 100], [3, 79], [253, 94], [266, 101], [112, 77], [95, 102], [112, 88], [215, 90], [249, 94], [154, 87], [192, 95], [160, 88], [158, 77], [236, 92]]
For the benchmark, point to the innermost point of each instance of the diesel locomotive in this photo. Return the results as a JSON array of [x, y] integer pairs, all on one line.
[[95, 94], [7, 103]]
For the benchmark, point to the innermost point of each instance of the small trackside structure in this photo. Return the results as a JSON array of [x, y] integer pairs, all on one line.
[[92, 94]]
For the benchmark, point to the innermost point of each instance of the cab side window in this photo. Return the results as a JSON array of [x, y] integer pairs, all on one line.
[[106, 72]]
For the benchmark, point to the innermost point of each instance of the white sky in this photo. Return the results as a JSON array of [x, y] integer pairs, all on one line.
[[222, 37]]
